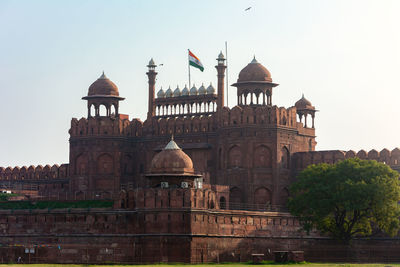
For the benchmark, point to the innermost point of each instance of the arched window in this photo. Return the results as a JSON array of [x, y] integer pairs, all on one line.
[[92, 110], [102, 110], [105, 164], [285, 156], [81, 164], [235, 199], [235, 157], [262, 198], [262, 157], [222, 203]]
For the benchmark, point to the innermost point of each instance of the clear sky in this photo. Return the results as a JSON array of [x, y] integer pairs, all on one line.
[[343, 55]]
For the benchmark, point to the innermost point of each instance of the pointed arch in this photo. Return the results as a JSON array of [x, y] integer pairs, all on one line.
[[262, 198], [105, 164], [285, 158], [262, 157], [235, 198], [235, 157]]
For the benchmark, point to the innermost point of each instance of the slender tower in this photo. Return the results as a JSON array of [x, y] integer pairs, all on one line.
[[152, 82], [221, 76]]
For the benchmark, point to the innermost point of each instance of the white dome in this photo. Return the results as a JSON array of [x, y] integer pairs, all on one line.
[[210, 90], [193, 90], [202, 90], [161, 93], [177, 92], [185, 91], [168, 93]]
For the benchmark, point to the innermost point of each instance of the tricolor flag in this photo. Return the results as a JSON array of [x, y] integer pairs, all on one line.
[[195, 62]]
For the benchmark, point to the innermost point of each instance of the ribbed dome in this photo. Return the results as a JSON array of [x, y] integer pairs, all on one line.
[[254, 72], [210, 89], [185, 91], [161, 93], [303, 103], [202, 90], [193, 90], [103, 86], [168, 93], [171, 160], [177, 92]]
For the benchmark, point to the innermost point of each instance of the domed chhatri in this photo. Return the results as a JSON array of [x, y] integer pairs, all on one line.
[[254, 72], [304, 109], [185, 91], [210, 89], [103, 87], [177, 92], [193, 90], [254, 85], [202, 90], [172, 161], [303, 103], [161, 93], [103, 92], [168, 93]]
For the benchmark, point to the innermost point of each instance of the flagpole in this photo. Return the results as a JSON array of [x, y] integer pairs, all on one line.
[[189, 67]]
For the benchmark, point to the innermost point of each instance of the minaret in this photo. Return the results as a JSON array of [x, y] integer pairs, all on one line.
[[221, 76], [152, 82]]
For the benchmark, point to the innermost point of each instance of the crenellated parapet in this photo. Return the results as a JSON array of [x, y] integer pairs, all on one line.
[[34, 172], [302, 159], [270, 115], [105, 126], [155, 198]]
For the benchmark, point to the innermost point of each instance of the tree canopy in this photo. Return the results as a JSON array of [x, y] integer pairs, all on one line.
[[350, 198]]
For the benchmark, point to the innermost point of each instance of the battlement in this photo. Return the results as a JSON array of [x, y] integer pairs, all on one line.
[[190, 123], [156, 198], [34, 173], [302, 159], [105, 126], [272, 115]]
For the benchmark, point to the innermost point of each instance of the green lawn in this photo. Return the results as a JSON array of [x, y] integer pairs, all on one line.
[[210, 265]]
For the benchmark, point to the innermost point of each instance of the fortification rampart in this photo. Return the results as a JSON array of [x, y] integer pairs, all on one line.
[[34, 173], [237, 116], [302, 159]]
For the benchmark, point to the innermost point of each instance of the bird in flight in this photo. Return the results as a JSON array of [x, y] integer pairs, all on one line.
[[247, 8]]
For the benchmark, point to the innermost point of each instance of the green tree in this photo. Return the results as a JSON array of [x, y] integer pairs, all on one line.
[[350, 198]]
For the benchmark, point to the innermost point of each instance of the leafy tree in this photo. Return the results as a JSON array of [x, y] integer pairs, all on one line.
[[350, 198]]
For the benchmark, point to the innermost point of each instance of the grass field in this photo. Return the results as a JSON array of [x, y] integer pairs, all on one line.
[[211, 265]]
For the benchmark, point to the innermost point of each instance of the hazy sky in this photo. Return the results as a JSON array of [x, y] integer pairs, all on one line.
[[343, 55]]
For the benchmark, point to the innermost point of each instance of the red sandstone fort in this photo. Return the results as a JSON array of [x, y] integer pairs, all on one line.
[[195, 182]]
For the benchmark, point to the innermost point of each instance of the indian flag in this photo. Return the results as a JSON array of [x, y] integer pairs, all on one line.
[[195, 62]]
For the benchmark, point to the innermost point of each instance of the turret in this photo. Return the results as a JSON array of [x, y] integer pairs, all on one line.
[[254, 81], [221, 76], [103, 92], [305, 108], [152, 82]]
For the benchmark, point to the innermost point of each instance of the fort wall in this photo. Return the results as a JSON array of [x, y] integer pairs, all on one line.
[[301, 160]]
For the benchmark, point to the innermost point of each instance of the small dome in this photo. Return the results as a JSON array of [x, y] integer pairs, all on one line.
[[103, 86], [171, 160], [161, 93], [151, 63], [221, 56], [177, 92], [185, 91], [193, 90], [254, 72], [168, 93], [202, 90], [303, 103], [210, 89]]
